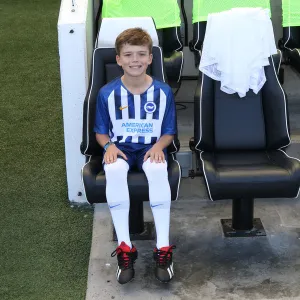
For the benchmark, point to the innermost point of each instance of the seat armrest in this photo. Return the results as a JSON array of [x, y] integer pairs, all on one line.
[[93, 166], [284, 161]]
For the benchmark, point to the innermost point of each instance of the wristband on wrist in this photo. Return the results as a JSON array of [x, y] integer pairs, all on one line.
[[107, 145]]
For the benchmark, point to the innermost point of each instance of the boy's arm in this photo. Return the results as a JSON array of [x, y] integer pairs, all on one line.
[[112, 152], [102, 118], [101, 129], [156, 152], [164, 141], [168, 130], [102, 139], [169, 124]]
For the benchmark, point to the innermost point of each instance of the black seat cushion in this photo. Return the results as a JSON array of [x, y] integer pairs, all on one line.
[[95, 182], [252, 174]]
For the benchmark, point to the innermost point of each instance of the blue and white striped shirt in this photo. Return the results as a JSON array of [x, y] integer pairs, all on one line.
[[136, 119]]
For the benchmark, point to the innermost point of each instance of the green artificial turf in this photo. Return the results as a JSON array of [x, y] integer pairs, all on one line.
[[44, 243]]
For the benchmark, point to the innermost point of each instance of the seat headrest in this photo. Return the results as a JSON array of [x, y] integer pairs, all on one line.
[[111, 27]]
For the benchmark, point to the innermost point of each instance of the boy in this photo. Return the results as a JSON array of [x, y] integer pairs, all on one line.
[[135, 123]]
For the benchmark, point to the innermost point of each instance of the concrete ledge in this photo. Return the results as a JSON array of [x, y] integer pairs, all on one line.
[[207, 265]]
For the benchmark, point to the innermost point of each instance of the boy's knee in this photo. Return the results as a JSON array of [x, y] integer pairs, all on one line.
[[155, 170], [118, 168]]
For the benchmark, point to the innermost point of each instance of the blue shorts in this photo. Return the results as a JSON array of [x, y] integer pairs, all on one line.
[[135, 154]]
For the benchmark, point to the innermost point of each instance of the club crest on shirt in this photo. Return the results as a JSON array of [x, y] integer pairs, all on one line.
[[150, 107]]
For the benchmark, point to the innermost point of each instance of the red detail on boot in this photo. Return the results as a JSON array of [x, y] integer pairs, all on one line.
[[167, 249], [123, 249], [164, 253]]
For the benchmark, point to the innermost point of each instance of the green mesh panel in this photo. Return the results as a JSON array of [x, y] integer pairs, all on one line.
[[201, 8], [290, 13], [165, 13]]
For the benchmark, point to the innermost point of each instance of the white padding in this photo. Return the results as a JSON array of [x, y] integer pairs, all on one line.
[[111, 27]]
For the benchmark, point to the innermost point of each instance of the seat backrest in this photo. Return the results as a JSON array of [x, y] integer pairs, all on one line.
[[170, 39], [202, 8], [228, 122]]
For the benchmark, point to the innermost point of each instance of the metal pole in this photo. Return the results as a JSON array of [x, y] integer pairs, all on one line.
[[242, 214], [136, 217]]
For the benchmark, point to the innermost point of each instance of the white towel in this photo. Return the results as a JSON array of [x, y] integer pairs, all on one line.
[[237, 45]]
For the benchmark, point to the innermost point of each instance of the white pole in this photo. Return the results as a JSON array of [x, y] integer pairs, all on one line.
[[75, 38]]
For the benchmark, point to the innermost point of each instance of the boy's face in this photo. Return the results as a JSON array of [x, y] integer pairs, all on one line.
[[134, 60]]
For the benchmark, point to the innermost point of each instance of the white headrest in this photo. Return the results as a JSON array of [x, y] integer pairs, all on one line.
[[111, 27]]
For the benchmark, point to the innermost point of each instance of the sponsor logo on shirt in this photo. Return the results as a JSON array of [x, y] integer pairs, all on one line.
[[136, 127]]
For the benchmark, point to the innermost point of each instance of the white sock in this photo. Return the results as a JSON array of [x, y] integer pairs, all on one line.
[[117, 196], [160, 199]]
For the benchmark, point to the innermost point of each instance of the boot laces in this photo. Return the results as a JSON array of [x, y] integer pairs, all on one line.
[[164, 256], [124, 258]]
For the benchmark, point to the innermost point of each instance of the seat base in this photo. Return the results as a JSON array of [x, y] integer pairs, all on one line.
[[147, 234], [242, 223], [257, 230]]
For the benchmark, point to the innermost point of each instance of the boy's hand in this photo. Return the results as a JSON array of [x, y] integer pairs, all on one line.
[[156, 154], [112, 153]]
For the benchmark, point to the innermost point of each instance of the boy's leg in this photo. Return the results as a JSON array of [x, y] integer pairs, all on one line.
[[118, 200], [117, 196], [160, 199], [160, 202]]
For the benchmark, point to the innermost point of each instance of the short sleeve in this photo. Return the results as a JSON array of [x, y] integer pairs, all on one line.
[[102, 118], [169, 124]]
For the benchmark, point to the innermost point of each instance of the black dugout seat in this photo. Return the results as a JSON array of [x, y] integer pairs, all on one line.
[[105, 69], [240, 144], [290, 44]]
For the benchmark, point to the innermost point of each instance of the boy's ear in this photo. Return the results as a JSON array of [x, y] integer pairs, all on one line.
[[118, 60], [150, 58]]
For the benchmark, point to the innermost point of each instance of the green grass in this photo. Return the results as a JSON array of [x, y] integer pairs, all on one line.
[[44, 243]]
